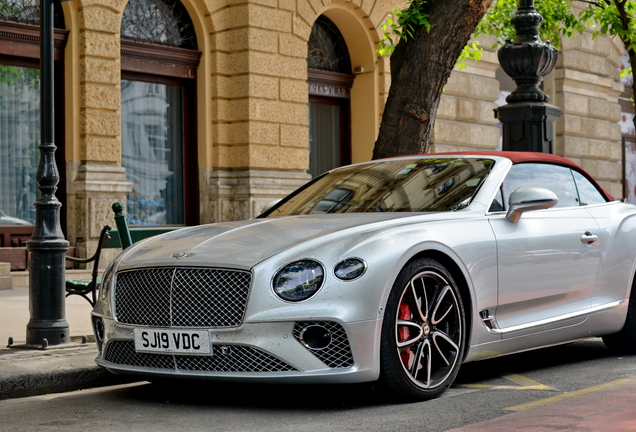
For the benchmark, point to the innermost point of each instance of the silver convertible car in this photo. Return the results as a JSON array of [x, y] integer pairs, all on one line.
[[397, 270]]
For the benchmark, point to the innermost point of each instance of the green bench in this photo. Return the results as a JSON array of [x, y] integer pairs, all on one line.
[[109, 238]]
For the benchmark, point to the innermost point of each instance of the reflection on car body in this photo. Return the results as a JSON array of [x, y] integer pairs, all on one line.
[[397, 270], [10, 220]]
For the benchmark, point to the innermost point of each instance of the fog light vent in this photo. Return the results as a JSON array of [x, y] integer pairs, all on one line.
[[326, 340], [98, 329], [315, 337]]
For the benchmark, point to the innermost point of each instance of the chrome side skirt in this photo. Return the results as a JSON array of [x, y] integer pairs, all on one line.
[[491, 324]]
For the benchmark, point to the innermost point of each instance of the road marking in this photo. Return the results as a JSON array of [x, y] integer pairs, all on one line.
[[522, 383], [454, 391], [570, 395]]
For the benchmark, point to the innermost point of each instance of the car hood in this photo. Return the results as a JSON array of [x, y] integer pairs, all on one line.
[[243, 244]]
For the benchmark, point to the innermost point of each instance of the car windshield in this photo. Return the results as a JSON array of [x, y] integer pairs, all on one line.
[[413, 185]]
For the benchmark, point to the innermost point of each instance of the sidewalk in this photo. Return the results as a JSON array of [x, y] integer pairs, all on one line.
[[35, 372], [15, 315]]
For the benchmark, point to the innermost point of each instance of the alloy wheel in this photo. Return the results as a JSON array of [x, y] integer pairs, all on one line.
[[428, 329]]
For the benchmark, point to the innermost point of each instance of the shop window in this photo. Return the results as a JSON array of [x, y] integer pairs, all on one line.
[[330, 81], [19, 136], [20, 117], [158, 94]]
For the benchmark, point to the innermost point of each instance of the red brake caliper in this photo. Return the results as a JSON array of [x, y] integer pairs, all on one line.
[[404, 333]]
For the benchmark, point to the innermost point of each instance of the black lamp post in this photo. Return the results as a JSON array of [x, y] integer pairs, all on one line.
[[47, 247], [527, 118]]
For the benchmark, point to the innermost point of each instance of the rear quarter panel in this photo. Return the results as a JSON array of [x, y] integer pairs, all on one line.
[[617, 222]]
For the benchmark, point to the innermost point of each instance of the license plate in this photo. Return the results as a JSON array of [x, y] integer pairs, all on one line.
[[172, 341]]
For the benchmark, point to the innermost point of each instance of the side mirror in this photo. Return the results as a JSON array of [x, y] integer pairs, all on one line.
[[525, 198]]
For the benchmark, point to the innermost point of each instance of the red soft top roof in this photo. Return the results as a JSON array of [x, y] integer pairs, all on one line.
[[521, 157]]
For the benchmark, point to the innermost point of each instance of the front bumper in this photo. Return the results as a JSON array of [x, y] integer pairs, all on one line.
[[261, 351]]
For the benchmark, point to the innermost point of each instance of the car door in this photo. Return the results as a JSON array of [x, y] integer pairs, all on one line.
[[547, 261]]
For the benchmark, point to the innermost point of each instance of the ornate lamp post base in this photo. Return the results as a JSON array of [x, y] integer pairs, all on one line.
[[527, 118], [528, 126], [48, 325]]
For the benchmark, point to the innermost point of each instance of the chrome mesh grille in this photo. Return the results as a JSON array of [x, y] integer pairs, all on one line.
[[338, 353], [143, 297], [182, 297], [225, 358]]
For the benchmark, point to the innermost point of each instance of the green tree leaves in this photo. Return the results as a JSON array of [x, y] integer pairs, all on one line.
[[612, 18], [558, 21], [403, 23], [606, 17]]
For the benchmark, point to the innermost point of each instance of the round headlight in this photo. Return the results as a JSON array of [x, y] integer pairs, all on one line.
[[299, 280], [350, 269]]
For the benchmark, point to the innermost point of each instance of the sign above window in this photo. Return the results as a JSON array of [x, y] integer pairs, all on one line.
[[329, 91]]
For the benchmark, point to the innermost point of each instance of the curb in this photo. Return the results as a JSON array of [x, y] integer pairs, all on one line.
[[26, 372], [41, 383]]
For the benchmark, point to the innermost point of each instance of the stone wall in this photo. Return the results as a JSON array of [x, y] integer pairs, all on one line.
[[465, 117], [584, 85], [260, 139], [586, 88]]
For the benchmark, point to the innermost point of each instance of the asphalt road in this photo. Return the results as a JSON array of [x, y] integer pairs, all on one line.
[[482, 391]]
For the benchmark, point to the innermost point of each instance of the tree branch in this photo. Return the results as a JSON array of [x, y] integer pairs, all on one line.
[[595, 3], [622, 13]]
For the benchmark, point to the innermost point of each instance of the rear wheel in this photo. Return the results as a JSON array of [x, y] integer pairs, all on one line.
[[423, 333], [625, 340]]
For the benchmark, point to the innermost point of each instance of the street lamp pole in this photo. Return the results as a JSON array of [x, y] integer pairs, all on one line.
[[47, 247], [527, 118]]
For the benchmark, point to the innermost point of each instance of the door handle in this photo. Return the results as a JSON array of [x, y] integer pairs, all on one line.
[[588, 238]]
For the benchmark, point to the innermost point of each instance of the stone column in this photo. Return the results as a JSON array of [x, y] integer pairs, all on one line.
[[587, 88], [260, 133], [95, 178], [95, 187]]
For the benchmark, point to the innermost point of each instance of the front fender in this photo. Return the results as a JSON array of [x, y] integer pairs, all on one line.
[[469, 243]]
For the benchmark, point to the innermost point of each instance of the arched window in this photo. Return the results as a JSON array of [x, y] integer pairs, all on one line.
[[20, 119], [158, 22], [158, 92], [330, 80]]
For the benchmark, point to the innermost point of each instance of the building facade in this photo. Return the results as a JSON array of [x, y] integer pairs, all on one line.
[[198, 111]]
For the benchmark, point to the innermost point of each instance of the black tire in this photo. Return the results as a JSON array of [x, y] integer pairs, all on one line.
[[624, 342], [423, 332]]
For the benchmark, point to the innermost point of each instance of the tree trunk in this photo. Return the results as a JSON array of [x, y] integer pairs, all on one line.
[[420, 68], [632, 61], [626, 18]]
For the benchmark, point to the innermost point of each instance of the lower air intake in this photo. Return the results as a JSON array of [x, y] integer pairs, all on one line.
[[226, 358]]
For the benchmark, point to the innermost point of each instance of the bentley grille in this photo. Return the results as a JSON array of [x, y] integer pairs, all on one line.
[[338, 353], [182, 297], [225, 358]]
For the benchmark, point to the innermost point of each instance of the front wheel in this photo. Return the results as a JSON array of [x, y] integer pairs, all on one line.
[[423, 333]]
